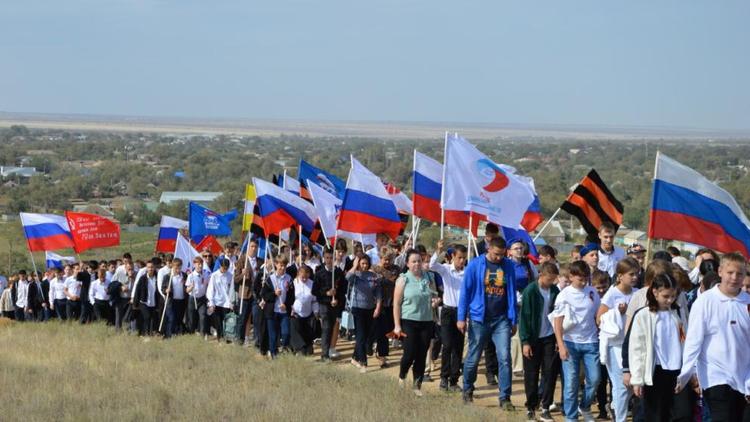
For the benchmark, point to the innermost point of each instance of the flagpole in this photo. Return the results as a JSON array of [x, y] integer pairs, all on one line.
[[33, 264], [469, 243], [299, 240], [166, 298], [244, 276], [539, 233], [442, 188], [649, 243]]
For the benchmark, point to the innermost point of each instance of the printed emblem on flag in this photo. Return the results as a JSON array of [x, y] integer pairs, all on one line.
[[494, 176]]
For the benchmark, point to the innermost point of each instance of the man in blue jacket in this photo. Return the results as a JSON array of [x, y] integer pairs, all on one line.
[[487, 305]]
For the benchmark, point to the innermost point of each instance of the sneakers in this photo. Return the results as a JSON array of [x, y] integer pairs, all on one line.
[[418, 392], [426, 378], [545, 416], [530, 417], [401, 383], [362, 369], [334, 354], [324, 359], [355, 363], [587, 416], [555, 407], [603, 415], [444, 384], [468, 397], [507, 406]]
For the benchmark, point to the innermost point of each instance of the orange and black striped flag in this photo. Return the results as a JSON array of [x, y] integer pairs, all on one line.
[[593, 204]]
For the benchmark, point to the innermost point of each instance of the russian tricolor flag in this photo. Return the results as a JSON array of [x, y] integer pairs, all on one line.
[[427, 179], [686, 206], [168, 229], [46, 232], [367, 207], [281, 209]]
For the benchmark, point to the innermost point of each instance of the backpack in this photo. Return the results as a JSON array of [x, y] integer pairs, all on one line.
[[230, 326]]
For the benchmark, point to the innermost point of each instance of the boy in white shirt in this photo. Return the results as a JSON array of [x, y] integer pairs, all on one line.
[[579, 342], [716, 345]]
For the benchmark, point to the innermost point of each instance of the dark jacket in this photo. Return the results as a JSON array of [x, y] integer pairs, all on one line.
[[85, 278], [324, 281], [140, 294], [248, 292], [268, 294], [530, 319], [36, 296]]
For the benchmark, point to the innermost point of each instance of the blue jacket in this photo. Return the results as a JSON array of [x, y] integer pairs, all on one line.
[[471, 299]]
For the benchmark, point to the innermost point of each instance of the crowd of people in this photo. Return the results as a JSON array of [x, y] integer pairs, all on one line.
[[665, 341]]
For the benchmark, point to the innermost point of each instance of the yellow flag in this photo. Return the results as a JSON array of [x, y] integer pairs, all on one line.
[[247, 217]]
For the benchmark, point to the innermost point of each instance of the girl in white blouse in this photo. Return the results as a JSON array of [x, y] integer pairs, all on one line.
[[304, 311]]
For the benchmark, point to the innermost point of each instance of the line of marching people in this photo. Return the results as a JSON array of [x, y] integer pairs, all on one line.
[[662, 343]]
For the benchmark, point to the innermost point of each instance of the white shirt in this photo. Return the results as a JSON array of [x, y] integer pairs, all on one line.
[[583, 304], [546, 329], [98, 290], [312, 263], [163, 271], [452, 280], [279, 282], [667, 347], [73, 286], [716, 346], [178, 288], [608, 261], [22, 294], [199, 282], [218, 291], [305, 302], [612, 300], [57, 289], [151, 297]]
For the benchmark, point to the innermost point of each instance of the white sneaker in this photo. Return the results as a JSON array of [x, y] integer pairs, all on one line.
[[333, 354], [587, 415]]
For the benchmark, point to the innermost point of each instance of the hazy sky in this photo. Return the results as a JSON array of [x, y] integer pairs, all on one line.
[[666, 63]]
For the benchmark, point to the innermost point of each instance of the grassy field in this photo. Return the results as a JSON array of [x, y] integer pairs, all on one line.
[[57, 371]]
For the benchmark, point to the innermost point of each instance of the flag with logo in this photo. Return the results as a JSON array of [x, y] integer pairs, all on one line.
[[204, 222], [473, 182]]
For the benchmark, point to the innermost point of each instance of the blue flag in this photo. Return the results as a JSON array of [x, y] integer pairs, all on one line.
[[322, 178], [204, 221]]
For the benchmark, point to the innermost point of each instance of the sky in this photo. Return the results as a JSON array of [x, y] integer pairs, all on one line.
[[682, 64]]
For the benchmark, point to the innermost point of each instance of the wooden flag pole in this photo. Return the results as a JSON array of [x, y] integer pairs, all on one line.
[[539, 233], [166, 297], [244, 276], [650, 242], [470, 234]]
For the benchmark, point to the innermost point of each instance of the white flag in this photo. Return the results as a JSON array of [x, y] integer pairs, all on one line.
[[327, 207], [186, 252], [473, 182]]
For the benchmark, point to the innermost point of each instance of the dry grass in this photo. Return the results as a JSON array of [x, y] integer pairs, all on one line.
[[56, 371]]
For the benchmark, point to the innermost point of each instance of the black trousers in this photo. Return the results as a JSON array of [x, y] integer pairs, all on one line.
[[243, 314], [196, 315], [145, 320], [120, 306], [543, 359], [415, 345], [436, 342], [73, 309], [302, 334], [383, 325], [102, 311], [726, 404], [86, 312], [179, 306], [218, 320], [453, 345], [60, 309], [658, 398], [327, 322], [363, 326], [601, 389], [260, 337]]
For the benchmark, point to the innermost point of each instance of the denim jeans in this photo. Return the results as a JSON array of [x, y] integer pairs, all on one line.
[[620, 394], [498, 331], [588, 355], [278, 326]]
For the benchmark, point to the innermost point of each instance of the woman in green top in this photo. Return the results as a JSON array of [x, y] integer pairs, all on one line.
[[413, 301]]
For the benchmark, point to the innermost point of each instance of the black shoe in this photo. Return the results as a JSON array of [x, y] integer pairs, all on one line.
[[507, 406], [530, 417], [324, 359], [426, 378], [491, 380], [444, 384], [603, 415], [455, 388], [468, 397], [545, 416]]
